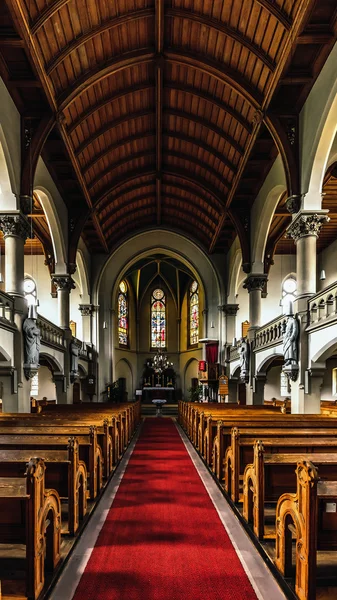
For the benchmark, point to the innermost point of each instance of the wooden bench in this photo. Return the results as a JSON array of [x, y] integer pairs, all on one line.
[[302, 515], [107, 432], [64, 472], [89, 450], [240, 451], [30, 514], [220, 433], [272, 474]]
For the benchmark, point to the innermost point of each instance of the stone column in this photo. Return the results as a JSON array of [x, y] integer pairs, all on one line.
[[16, 229], [204, 331], [255, 283], [64, 284], [178, 333], [304, 230], [230, 311], [61, 388]]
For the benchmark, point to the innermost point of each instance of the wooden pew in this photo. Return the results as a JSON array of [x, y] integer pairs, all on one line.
[[220, 433], [301, 515], [30, 514], [89, 450], [278, 439], [272, 474], [64, 472], [107, 433]]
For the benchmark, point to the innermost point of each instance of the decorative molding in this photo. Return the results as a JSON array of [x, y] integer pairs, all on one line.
[[255, 282], [15, 225], [229, 309], [293, 203], [63, 282], [307, 223]]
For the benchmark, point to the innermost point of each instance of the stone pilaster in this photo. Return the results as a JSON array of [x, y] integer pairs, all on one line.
[[87, 311], [230, 311]]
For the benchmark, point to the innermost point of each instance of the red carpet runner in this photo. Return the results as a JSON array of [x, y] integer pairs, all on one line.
[[163, 539]]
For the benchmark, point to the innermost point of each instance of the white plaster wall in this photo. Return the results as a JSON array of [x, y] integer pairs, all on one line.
[[263, 356], [10, 140], [46, 385], [272, 388], [321, 341], [75, 300], [233, 366], [56, 214], [57, 356], [282, 267], [242, 299], [35, 268], [7, 343], [326, 391], [263, 210], [327, 260], [314, 150]]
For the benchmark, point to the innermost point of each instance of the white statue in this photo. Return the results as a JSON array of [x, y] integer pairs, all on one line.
[[290, 336], [244, 359], [74, 357]]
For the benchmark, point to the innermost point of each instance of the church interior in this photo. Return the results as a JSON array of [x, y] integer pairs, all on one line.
[[168, 299]]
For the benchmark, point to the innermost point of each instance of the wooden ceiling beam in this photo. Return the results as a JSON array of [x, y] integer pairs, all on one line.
[[46, 14], [82, 182], [303, 9], [11, 42], [218, 70], [111, 125], [208, 125], [112, 147], [103, 27], [201, 144], [116, 64], [160, 66], [224, 28], [167, 169], [180, 186], [217, 232], [188, 89], [142, 87], [115, 209], [180, 155], [274, 10]]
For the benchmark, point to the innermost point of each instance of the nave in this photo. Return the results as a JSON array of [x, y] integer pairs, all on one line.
[[167, 534]]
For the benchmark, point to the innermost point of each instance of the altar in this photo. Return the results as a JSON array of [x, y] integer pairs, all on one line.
[[166, 393]]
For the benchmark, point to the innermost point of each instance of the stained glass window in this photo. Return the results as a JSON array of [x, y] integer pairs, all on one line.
[[123, 315], [194, 313], [158, 319]]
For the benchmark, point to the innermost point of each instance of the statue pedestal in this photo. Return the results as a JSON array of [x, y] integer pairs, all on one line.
[[291, 371]]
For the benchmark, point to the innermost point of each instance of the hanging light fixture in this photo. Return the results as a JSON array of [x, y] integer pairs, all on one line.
[[322, 275], [159, 363]]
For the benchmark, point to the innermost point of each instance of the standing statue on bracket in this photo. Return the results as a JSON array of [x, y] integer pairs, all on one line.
[[290, 351], [244, 360], [32, 341], [74, 352]]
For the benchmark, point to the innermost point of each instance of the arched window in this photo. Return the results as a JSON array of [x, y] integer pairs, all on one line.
[[29, 290], [158, 319], [194, 313], [123, 315], [289, 291]]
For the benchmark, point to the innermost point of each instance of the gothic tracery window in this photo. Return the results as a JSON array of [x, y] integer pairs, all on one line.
[[289, 290], [158, 319], [123, 315], [194, 313]]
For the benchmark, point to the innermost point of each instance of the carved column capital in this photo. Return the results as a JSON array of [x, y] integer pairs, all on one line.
[[255, 282], [229, 309], [87, 310], [307, 223], [63, 282], [15, 225]]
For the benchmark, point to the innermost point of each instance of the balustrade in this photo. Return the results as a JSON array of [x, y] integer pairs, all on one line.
[[323, 305], [270, 334], [6, 308], [50, 333]]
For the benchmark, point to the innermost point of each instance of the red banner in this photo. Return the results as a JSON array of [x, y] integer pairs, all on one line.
[[202, 366]]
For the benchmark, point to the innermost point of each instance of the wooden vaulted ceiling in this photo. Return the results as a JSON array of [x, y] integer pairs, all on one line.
[[162, 107]]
